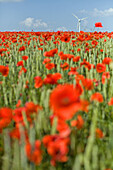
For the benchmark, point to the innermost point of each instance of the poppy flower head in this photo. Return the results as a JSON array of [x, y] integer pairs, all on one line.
[[18, 103], [107, 60], [4, 70], [31, 108], [99, 133], [101, 50], [97, 97], [20, 63], [88, 84], [50, 66], [105, 75], [110, 103], [98, 24], [2, 50], [46, 60], [34, 153], [24, 58], [65, 66], [5, 117], [76, 59], [22, 48], [51, 53], [100, 67], [78, 123], [65, 101], [78, 50], [52, 78], [38, 82], [65, 39], [57, 147]]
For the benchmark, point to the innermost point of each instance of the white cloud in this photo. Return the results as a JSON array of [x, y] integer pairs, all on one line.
[[106, 12], [62, 29], [98, 13], [11, 0], [34, 23], [83, 11], [28, 22], [39, 23]]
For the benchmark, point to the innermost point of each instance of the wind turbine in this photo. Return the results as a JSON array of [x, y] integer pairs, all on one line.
[[79, 21]]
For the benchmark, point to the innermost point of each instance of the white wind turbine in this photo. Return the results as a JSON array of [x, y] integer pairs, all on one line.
[[79, 21]]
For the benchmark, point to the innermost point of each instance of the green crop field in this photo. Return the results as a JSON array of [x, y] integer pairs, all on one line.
[[56, 100]]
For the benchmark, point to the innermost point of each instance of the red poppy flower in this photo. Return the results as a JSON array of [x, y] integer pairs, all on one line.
[[63, 56], [78, 123], [38, 82], [79, 88], [94, 43], [18, 103], [76, 59], [51, 53], [99, 133], [52, 78], [101, 50], [64, 101], [24, 58], [104, 76], [65, 66], [41, 49], [34, 153], [70, 56], [107, 60], [87, 64], [73, 71], [84, 105], [79, 77], [105, 40], [16, 134], [98, 24], [78, 49], [4, 70], [20, 63], [97, 97], [65, 39], [2, 50], [5, 117], [22, 48], [17, 115], [26, 86], [46, 60], [50, 66], [23, 69], [57, 147], [110, 103], [62, 127], [100, 68], [87, 83], [60, 53], [31, 108], [14, 40]]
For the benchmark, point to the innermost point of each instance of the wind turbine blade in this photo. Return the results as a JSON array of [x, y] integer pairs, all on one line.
[[83, 18], [75, 16]]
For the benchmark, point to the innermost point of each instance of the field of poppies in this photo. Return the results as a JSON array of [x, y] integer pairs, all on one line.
[[56, 100]]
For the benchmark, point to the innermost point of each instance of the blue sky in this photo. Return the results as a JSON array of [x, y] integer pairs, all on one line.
[[53, 15]]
